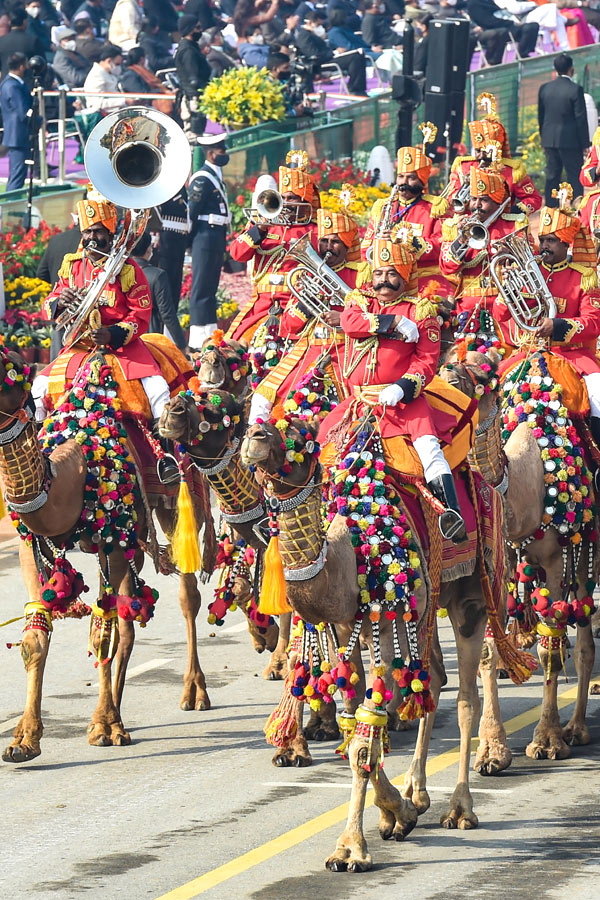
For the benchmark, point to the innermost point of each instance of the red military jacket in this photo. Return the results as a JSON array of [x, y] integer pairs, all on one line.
[[589, 211], [523, 191], [588, 176], [269, 271], [471, 270], [577, 322], [125, 308], [376, 355], [425, 215]]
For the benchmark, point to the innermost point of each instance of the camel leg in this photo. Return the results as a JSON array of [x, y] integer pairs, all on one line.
[[576, 731], [415, 782], [468, 623], [106, 728], [322, 724], [278, 664], [34, 652], [493, 753], [122, 657], [548, 740], [194, 694]]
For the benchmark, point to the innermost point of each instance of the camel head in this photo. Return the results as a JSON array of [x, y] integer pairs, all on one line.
[[205, 422], [223, 363], [286, 450], [15, 382], [473, 373]]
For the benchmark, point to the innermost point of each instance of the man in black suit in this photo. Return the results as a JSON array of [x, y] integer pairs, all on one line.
[[563, 127], [486, 15], [164, 312], [58, 246], [18, 40]]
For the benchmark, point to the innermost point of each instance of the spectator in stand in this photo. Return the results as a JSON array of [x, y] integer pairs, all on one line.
[[342, 38], [352, 20], [4, 24], [248, 14], [15, 103], [86, 43], [163, 11], [493, 40], [70, 66], [253, 51], [312, 45], [37, 25], [157, 53], [104, 77], [18, 40], [421, 42], [221, 56], [193, 72], [125, 24], [204, 12], [92, 9], [164, 311], [486, 14], [138, 79], [376, 29]]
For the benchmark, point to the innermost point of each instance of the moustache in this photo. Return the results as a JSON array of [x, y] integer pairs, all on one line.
[[408, 189], [384, 285]]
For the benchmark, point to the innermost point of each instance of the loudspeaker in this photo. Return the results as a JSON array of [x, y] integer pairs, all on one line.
[[447, 56], [407, 88], [445, 108]]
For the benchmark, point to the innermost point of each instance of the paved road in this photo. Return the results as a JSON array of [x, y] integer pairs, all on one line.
[[194, 807]]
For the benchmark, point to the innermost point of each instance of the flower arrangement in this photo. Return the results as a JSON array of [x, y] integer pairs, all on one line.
[[21, 249], [241, 97]]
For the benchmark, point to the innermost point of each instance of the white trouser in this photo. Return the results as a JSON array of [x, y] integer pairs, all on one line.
[[155, 388], [432, 459], [260, 408], [549, 18], [199, 333], [592, 383]]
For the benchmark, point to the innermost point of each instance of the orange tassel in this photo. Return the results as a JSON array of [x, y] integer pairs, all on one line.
[[273, 601]]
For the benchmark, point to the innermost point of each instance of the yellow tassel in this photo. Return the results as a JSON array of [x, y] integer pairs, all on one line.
[[2, 506], [185, 550], [273, 601]]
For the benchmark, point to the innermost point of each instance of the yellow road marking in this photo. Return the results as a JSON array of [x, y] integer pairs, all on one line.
[[337, 815]]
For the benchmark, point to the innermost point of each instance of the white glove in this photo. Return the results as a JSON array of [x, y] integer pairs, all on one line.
[[260, 408], [408, 329], [391, 395]]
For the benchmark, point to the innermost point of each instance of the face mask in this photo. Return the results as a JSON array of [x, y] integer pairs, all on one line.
[[256, 39], [320, 31], [451, 2], [116, 70], [69, 45], [221, 159], [33, 11], [381, 8], [196, 35], [284, 76]]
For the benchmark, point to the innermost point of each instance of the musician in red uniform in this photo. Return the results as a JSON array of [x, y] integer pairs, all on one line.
[[476, 290], [573, 333], [125, 309], [423, 211], [265, 245], [590, 171], [485, 132], [589, 213], [392, 349], [318, 341]]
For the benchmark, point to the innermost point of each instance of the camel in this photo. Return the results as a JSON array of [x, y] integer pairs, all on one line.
[[24, 471], [331, 595], [216, 457], [518, 471]]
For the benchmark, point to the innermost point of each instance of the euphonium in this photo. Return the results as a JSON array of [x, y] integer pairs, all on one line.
[[137, 158], [515, 272], [312, 282]]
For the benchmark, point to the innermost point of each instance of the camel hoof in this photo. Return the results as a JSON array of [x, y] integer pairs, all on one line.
[[203, 705], [492, 759], [272, 674], [336, 865], [186, 706], [281, 760], [594, 689], [322, 734], [120, 737], [301, 761], [449, 822], [358, 865], [19, 754], [552, 747], [576, 735], [466, 823], [100, 740]]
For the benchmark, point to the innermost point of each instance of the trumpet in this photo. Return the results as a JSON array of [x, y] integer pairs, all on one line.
[[460, 201], [270, 208], [476, 232], [516, 273], [312, 282]]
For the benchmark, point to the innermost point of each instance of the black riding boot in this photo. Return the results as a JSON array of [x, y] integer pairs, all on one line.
[[595, 429], [452, 524], [167, 468]]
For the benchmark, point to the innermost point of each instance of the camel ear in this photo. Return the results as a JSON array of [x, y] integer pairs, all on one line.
[[311, 424], [493, 356], [243, 344]]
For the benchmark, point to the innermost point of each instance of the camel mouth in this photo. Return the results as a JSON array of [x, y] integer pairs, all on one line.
[[255, 449], [211, 382], [172, 421]]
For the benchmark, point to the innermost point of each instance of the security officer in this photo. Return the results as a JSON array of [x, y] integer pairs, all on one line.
[[210, 218], [174, 237]]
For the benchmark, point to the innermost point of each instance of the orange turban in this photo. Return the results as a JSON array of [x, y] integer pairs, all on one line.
[[337, 223], [97, 209], [560, 223], [298, 181], [392, 253], [412, 159], [485, 130], [484, 183]]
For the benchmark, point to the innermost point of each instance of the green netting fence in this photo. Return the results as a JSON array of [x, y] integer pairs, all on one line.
[[351, 131]]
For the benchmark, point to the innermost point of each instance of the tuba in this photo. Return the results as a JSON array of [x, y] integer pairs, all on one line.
[[312, 282], [521, 279], [137, 158]]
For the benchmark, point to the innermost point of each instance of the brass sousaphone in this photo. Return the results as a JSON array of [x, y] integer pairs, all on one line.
[[137, 158]]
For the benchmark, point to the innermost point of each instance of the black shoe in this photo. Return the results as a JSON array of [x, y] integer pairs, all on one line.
[[452, 524]]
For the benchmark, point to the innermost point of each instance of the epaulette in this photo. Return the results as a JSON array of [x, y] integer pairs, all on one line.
[[519, 217], [589, 276], [364, 273], [439, 205], [127, 277], [356, 298], [425, 308], [518, 167], [450, 228], [596, 138], [589, 198], [460, 160], [68, 258]]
